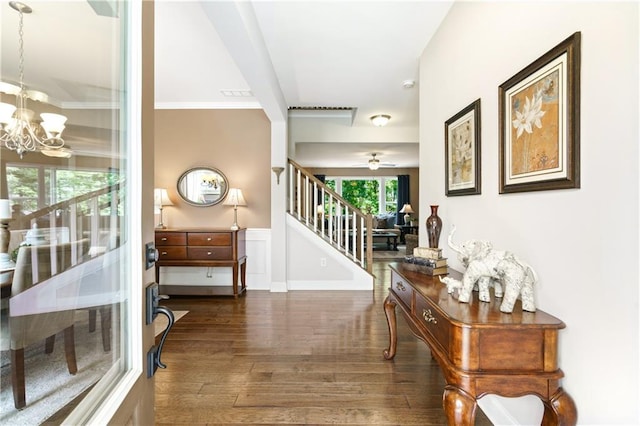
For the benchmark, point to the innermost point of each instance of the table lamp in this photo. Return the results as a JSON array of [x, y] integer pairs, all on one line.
[[407, 210], [235, 199], [5, 235], [161, 199]]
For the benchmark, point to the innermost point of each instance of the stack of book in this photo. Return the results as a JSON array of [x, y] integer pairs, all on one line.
[[428, 261]]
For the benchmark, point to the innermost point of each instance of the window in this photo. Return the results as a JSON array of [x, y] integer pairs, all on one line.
[[372, 195], [32, 187]]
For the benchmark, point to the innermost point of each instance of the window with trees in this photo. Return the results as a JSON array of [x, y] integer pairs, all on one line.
[[372, 195], [34, 187]]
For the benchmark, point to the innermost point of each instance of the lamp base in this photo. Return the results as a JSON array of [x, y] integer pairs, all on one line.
[[6, 264], [235, 227], [407, 219]]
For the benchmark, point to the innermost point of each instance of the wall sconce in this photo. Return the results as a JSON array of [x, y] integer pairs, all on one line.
[[277, 171]]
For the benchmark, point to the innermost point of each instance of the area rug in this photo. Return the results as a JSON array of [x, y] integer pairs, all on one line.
[[49, 386]]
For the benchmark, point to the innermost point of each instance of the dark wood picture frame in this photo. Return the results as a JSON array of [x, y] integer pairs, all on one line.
[[539, 122], [462, 152]]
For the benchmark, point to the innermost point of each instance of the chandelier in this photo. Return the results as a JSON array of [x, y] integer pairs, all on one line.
[[18, 131]]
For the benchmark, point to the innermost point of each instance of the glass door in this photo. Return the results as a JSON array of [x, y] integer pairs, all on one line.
[[71, 290]]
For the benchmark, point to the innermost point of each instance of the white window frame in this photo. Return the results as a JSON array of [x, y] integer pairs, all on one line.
[[382, 180]]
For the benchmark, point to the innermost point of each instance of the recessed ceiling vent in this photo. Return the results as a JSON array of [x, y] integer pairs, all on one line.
[[348, 113], [237, 93]]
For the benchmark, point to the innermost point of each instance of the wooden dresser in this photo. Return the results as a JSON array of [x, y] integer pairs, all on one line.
[[480, 349], [206, 247]]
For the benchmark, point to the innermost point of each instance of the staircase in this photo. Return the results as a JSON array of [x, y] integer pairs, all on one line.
[[338, 223]]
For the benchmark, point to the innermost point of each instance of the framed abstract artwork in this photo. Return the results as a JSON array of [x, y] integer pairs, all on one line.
[[539, 122], [462, 151]]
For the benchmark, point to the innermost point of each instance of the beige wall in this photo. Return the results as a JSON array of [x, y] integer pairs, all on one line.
[[237, 142], [414, 189]]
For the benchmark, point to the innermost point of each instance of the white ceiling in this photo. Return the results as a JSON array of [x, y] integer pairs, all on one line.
[[279, 53]]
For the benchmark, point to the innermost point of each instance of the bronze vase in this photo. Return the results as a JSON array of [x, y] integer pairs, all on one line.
[[434, 227]]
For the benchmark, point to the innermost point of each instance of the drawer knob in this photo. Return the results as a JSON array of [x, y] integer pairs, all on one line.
[[401, 286], [164, 238], [428, 316], [164, 253], [209, 239], [208, 253]]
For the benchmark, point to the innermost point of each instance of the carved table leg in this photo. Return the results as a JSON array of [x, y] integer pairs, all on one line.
[[459, 406], [243, 275], [560, 410], [235, 279], [390, 312]]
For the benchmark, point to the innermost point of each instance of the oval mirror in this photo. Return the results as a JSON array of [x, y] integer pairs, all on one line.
[[203, 186]]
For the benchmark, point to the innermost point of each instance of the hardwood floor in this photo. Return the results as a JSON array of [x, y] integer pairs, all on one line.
[[303, 357]]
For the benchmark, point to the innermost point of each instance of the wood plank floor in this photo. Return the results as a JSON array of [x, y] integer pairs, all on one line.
[[303, 357]]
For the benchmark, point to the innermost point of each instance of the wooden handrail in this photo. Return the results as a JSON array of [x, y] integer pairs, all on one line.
[[101, 235], [63, 205]]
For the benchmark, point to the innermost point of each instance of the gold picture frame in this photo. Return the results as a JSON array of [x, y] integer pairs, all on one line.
[[462, 152], [539, 120]]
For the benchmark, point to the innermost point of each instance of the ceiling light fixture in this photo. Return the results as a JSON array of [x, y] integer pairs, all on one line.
[[380, 120], [374, 163], [17, 130]]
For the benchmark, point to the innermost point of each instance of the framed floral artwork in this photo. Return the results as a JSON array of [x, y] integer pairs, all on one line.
[[462, 151], [539, 119]]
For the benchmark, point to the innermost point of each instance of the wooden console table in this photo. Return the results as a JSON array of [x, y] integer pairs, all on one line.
[[480, 349], [203, 247]]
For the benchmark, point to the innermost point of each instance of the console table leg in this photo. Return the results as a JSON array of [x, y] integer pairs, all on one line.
[[459, 406], [560, 410], [390, 312], [235, 280], [243, 276]]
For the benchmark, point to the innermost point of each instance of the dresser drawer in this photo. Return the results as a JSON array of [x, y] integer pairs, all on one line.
[[210, 253], [402, 289], [172, 253], [432, 321], [209, 238], [171, 238]]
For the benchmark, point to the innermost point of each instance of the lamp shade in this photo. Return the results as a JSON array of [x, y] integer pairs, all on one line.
[[407, 209], [5, 209], [161, 198], [235, 198]]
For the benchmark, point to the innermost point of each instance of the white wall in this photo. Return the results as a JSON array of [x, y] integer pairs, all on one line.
[[313, 264], [583, 242]]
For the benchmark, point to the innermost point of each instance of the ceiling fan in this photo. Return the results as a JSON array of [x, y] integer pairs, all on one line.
[[374, 163]]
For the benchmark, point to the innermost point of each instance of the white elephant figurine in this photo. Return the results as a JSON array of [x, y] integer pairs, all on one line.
[[486, 267]]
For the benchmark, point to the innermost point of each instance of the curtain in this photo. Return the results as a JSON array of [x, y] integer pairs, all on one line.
[[403, 197]]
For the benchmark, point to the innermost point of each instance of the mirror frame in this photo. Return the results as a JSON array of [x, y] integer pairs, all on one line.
[[224, 187]]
